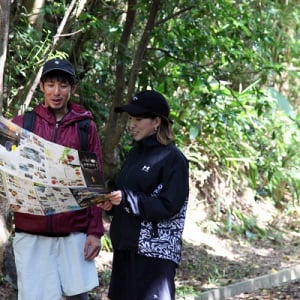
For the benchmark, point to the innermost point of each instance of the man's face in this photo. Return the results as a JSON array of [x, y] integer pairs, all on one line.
[[56, 94]]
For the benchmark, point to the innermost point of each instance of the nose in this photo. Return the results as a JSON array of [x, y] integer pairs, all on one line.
[[56, 89], [131, 124]]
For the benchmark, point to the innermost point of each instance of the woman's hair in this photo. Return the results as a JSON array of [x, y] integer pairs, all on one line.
[[165, 134]]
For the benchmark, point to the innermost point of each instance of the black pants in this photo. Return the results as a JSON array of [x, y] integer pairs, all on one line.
[[137, 277]]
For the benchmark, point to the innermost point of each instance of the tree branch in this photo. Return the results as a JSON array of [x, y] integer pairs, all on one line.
[[57, 37], [4, 25], [68, 34], [174, 15], [176, 58], [137, 62]]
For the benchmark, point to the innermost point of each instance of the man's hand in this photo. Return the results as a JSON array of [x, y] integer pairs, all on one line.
[[92, 247], [106, 205]]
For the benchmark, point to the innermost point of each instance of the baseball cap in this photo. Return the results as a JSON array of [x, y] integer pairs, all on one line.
[[147, 102], [60, 65]]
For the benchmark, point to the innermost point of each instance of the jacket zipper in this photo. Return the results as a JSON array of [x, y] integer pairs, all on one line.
[[56, 130]]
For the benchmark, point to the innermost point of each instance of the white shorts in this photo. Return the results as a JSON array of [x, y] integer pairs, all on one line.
[[51, 267]]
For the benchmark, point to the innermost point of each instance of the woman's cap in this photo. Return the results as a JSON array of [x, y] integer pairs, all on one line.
[[147, 102], [59, 65]]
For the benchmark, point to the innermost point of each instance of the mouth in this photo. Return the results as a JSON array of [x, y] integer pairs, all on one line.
[[56, 100]]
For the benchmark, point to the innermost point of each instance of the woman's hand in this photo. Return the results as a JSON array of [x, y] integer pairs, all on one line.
[[114, 197]]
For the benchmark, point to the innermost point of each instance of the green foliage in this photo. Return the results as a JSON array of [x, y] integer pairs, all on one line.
[[230, 71], [106, 243], [248, 227], [105, 277], [214, 61], [248, 138], [185, 292]]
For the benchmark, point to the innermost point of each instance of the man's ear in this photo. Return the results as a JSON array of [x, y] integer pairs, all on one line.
[[73, 88], [42, 86]]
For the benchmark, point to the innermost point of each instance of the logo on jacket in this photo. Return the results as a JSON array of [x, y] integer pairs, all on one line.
[[157, 191], [146, 168]]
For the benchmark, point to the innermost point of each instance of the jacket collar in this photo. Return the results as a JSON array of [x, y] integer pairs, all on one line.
[[148, 142]]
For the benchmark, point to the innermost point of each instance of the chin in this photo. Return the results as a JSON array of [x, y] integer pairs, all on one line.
[[136, 138]]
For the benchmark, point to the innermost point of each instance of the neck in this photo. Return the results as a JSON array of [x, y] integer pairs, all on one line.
[[59, 114]]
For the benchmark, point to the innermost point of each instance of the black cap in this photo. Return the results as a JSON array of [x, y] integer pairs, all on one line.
[[147, 102], [60, 65]]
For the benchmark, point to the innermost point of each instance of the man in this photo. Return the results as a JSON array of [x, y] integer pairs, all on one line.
[[55, 254]]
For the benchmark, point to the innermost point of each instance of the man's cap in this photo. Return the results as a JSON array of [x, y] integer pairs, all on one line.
[[147, 102], [59, 65]]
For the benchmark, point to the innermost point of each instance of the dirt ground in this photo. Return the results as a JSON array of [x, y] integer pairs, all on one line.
[[204, 267], [213, 258], [211, 261]]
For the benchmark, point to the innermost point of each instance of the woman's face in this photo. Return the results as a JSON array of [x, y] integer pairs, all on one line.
[[142, 127]]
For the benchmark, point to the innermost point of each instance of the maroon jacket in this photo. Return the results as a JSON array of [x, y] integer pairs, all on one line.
[[88, 220]]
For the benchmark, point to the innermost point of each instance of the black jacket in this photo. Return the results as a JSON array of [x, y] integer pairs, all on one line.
[[150, 219]]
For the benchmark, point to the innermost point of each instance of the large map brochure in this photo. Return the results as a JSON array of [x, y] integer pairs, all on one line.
[[40, 177]]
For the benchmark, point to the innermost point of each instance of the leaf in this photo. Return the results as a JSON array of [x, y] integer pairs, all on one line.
[[194, 132], [282, 102]]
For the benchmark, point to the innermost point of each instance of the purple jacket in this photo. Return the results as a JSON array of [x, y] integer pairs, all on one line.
[[88, 220]]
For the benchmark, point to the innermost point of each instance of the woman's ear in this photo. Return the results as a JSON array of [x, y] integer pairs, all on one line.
[[157, 121]]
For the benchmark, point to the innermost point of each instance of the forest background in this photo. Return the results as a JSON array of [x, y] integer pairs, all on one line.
[[229, 69]]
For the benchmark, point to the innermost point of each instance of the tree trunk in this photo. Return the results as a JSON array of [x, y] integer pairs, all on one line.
[[7, 262], [34, 8], [116, 124], [115, 127], [4, 25]]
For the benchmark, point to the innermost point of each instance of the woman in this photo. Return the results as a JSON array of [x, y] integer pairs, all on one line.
[[149, 205]]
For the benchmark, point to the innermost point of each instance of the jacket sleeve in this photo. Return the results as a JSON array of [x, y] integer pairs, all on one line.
[[168, 197], [18, 120], [96, 221]]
